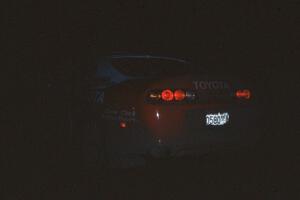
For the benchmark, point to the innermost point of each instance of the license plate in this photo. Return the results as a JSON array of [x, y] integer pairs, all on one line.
[[217, 119]]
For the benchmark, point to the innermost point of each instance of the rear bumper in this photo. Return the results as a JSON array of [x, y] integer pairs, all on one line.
[[194, 137], [131, 143], [206, 141]]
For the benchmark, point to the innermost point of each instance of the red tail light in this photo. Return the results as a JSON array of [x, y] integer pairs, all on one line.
[[170, 96], [167, 95], [179, 95], [245, 94]]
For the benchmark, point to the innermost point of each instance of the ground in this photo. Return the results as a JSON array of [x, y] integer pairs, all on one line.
[[259, 172]]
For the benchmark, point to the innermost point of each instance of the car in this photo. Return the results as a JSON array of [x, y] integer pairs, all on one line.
[[148, 106]]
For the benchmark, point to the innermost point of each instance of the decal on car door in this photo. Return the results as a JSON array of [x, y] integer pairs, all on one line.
[[99, 96], [96, 96]]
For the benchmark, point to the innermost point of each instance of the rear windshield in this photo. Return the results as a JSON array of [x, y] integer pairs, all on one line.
[[150, 67]]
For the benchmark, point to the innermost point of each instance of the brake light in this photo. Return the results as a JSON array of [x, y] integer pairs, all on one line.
[[245, 94], [179, 95], [170, 95], [167, 95]]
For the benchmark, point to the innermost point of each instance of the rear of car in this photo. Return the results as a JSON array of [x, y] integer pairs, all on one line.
[[159, 106]]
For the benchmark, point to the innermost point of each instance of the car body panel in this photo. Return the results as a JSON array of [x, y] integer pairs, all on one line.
[[177, 127]]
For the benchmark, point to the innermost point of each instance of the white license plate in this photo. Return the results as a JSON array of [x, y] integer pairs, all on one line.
[[217, 119]]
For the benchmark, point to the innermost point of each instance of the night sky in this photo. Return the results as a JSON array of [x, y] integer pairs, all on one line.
[[59, 41], [232, 33]]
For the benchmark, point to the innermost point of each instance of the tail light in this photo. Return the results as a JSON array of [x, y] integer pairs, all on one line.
[[179, 95], [243, 94], [168, 95]]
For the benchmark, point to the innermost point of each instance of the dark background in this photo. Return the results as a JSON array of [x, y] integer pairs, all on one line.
[[49, 47]]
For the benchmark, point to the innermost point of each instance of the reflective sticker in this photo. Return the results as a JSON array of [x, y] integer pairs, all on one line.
[[96, 96], [99, 96]]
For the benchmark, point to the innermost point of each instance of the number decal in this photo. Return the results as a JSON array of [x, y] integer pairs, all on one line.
[[99, 96], [217, 119]]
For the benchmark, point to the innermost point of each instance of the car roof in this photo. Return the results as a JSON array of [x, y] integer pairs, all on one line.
[[118, 55]]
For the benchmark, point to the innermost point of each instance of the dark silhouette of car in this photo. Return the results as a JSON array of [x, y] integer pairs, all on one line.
[[155, 106]]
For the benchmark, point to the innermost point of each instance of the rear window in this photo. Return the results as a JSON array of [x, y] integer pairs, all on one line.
[[150, 67]]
